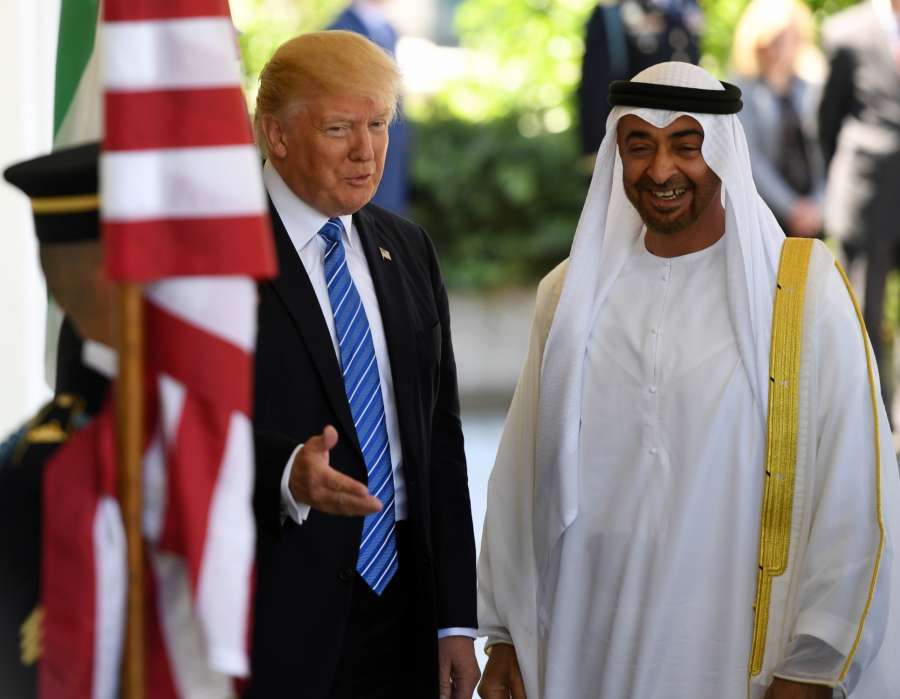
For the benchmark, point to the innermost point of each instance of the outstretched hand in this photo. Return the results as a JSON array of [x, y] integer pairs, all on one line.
[[315, 483]]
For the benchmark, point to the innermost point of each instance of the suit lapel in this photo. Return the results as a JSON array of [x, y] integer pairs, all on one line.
[[296, 292], [386, 266]]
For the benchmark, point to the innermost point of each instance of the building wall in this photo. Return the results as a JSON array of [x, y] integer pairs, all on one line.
[[27, 49]]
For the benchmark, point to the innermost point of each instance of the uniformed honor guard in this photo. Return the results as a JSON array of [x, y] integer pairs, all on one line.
[[62, 187]]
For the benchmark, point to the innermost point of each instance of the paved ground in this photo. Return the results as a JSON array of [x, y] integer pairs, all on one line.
[[482, 432]]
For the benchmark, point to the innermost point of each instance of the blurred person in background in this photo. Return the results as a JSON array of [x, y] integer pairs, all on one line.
[[622, 38], [859, 125], [775, 63], [367, 17]]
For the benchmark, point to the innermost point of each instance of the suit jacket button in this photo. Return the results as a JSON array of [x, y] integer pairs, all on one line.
[[345, 575]]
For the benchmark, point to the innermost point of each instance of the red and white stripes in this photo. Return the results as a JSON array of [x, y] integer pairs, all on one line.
[[179, 163], [184, 211], [83, 568]]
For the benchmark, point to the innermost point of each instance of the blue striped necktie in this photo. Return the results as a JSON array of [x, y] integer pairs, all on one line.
[[377, 560]]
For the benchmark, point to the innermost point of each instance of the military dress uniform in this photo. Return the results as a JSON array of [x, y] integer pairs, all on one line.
[[50, 181], [23, 456]]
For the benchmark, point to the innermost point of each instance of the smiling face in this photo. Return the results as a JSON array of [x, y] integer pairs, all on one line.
[[330, 150], [667, 180]]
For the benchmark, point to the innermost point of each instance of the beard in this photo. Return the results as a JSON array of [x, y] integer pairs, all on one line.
[[701, 194]]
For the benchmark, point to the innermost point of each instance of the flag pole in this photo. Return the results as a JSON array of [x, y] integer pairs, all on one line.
[[130, 427]]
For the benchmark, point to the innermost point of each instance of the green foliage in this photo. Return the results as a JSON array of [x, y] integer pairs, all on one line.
[[529, 54], [528, 59], [720, 19], [495, 172], [265, 24], [501, 208], [495, 177]]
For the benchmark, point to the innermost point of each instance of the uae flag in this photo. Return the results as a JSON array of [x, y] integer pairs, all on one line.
[[184, 213], [77, 98]]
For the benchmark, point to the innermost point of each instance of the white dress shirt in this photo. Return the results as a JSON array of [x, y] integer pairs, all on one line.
[[303, 223], [101, 358]]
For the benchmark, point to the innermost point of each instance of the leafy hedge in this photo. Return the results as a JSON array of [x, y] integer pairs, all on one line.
[[501, 207]]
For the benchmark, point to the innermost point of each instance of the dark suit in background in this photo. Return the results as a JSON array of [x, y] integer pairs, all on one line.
[[859, 126], [306, 576], [623, 38], [393, 192]]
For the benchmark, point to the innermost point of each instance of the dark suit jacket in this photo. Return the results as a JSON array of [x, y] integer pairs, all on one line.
[[859, 127], [304, 573], [393, 190]]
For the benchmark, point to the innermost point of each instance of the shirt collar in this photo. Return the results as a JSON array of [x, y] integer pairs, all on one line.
[[643, 256], [101, 358], [301, 220]]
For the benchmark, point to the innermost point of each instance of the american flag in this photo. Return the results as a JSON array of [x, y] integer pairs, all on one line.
[[184, 212]]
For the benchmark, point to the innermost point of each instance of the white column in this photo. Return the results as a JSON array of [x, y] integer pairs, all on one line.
[[28, 50]]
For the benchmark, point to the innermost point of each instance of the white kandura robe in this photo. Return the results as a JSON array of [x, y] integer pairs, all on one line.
[[657, 574]]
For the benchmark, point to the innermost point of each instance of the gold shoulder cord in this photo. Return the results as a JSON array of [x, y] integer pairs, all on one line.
[[781, 442], [781, 438], [873, 393], [31, 637]]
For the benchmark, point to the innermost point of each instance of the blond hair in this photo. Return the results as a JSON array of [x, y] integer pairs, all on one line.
[[324, 63], [761, 22]]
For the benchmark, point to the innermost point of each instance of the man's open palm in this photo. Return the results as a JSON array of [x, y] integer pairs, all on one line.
[[315, 483]]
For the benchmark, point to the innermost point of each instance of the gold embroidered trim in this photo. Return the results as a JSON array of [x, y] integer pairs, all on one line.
[[30, 637], [48, 433], [73, 204], [873, 393], [781, 436], [40, 430]]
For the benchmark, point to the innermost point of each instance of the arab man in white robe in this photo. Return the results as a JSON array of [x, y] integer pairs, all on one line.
[[626, 545]]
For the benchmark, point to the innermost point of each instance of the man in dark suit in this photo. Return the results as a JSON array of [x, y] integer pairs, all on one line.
[[367, 18], [859, 127], [361, 592], [61, 186]]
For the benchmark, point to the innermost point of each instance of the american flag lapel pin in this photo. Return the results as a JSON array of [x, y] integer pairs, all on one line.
[[385, 254]]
